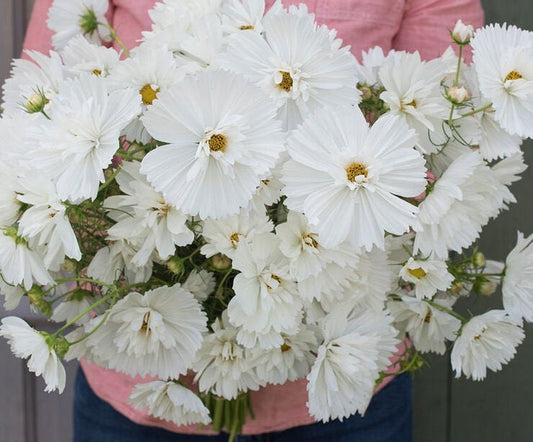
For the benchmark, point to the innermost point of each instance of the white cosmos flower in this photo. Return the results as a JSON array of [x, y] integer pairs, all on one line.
[[349, 179], [412, 91], [46, 224], [330, 284], [200, 283], [170, 401], [80, 142], [68, 18], [507, 172], [220, 146], [239, 15], [266, 298], [116, 260], [149, 70], [289, 361], [142, 214], [31, 80], [452, 215], [487, 341], [18, 263], [517, 285], [222, 365], [27, 342], [9, 203], [300, 77], [373, 278], [12, 295], [70, 308], [172, 20], [503, 59], [355, 350], [428, 327], [223, 235], [157, 333], [81, 55], [428, 275], [493, 141], [302, 246], [367, 71]]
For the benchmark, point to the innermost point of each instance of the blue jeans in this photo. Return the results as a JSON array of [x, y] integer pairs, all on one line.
[[387, 419]]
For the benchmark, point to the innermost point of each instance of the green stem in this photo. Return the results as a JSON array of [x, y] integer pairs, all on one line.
[[447, 310], [77, 341], [475, 111], [84, 312], [109, 180], [456, 81], [114, 36]]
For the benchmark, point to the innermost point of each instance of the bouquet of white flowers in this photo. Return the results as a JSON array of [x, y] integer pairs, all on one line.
[[240, 198]]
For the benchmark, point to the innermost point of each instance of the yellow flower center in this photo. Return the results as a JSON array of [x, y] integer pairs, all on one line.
[[247, 28], [146, 319], [284, 347], [148, 93], [478, 337], [427, 319], [234, 238], [217, 142], [354, 170], [513, 75], [417, 273], [286, 81], [276, 278], [310, 240], [163, 209], [97, 72]]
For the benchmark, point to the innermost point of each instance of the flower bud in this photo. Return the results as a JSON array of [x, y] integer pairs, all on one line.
[[69, 266], [478, 259], [175, 265], [35, 103], [458, 94], [366, 93], [485, 287], [221, 262], [462, 33], [36, 298]]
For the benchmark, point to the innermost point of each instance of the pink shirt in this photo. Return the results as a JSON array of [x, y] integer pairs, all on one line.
[[409, 25]]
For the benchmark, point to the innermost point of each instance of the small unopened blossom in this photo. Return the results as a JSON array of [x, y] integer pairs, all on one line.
[[458, 94], [462, 33], [35, 103]]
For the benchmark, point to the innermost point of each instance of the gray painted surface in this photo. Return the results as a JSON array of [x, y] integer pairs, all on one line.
[[446, 410]]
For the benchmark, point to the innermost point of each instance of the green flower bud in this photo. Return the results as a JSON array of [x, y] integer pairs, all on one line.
[[36, 103], [478, 259], [176, 266], [220, 262]]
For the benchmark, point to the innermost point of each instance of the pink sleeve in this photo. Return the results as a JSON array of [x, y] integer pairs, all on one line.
[[38, 36], [426, 25]]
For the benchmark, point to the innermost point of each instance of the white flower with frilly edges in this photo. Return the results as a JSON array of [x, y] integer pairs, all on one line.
[[503, 60], [157, 333], [220, 146], [349, 179], [27, 342], [170, 401], [487, 341]]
